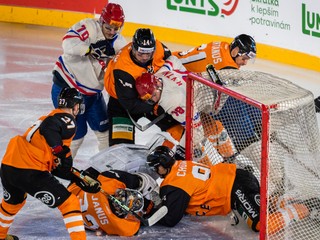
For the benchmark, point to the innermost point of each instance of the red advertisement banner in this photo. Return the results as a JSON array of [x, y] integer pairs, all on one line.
[[87, 6]]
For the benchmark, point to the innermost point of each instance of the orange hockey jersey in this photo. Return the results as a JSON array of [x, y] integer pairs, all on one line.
[[33, 150], [209, 188], [122, 61], [96, 211], [215, 53]]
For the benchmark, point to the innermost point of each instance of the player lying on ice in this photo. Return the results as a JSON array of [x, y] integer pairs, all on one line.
[[104, 200], [200, 190]]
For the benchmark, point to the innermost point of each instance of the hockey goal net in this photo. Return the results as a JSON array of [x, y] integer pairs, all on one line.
[[268, 125]]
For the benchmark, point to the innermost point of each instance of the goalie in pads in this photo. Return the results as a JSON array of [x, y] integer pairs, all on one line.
[[100, 214]]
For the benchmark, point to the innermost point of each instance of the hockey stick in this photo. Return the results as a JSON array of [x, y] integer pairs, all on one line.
[[213, 74], [274, 137], [160, 213], [148, 125]]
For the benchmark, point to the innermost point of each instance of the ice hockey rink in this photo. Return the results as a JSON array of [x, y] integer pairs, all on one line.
[[27, 56]]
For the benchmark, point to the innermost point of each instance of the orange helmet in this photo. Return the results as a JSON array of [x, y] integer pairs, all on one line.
[[112, 14], [145, 85]]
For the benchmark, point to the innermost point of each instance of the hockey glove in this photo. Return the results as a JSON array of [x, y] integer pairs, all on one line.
[[64, 162], [149, 188], [317, 104], [64, 158], [101, 49], [88, 181]]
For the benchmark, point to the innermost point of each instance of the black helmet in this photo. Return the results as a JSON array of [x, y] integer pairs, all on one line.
[[143, 40], [246, 45], [161, 155], [69, 97]]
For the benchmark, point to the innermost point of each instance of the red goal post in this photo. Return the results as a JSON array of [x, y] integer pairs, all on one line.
[[283, 114]]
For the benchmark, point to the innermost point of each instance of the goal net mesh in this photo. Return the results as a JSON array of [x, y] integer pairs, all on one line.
[[253, 115]]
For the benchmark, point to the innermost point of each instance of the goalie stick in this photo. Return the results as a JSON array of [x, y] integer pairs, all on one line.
[[156, 216], [148, 125]]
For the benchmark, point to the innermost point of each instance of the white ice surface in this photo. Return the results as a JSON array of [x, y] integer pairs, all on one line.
[[27, 56]]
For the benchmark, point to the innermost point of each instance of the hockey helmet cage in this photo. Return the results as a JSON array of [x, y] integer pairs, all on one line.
[[145, 85], [69, 97], [129, 199], [246, 45], [161, 155], [112, 14], [144, 41]]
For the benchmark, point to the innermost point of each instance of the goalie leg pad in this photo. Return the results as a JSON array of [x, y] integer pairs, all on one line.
[[217, 134]]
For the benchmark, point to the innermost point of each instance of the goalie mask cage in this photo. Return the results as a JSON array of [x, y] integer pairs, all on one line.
[[268, 125]]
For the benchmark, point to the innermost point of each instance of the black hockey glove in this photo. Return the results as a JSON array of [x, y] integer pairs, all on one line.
[[317, 104], [89, 183], [101, 49], [64, 157], [64, 162]]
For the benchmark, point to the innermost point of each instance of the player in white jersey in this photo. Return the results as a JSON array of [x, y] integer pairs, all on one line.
[[87, 48], [167, 88]]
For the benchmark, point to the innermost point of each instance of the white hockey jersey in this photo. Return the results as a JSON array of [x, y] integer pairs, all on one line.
[[84, 73], [173, 96]]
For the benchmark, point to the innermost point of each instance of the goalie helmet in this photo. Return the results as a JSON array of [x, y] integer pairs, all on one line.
[[246, 45], [69, 97], [161, 155], [112, 14], [145, 85], [128, 198], [144, 41]]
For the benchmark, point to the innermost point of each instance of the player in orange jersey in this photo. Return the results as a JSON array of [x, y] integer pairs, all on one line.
[[221, 55], [32, 160], [199, 190], [143, 54], [103, 215]]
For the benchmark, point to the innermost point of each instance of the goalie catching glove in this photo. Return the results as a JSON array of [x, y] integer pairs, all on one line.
[[101, 49], [87, 180]]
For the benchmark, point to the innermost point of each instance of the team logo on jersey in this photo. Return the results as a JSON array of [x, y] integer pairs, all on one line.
[[6, 195], [150, 69], [46, 197], [257, 199], [209, 7]]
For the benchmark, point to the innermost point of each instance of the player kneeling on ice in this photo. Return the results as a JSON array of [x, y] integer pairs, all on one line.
[[200, 190], [120, 203]]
